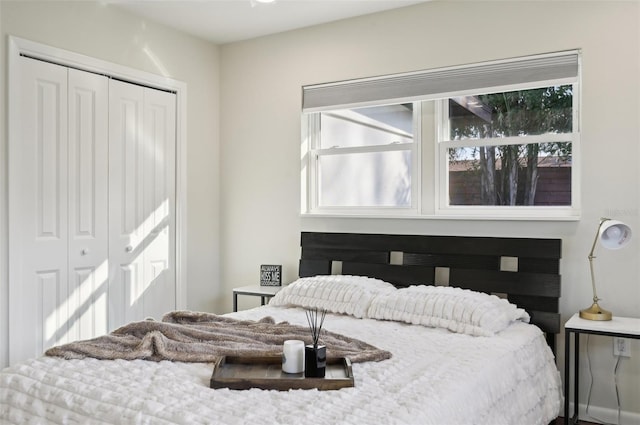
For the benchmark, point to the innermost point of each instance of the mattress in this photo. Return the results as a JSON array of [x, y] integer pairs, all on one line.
[[434, 377]]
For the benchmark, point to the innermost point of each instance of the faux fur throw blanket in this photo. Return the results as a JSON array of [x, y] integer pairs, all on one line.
[[203, 337]]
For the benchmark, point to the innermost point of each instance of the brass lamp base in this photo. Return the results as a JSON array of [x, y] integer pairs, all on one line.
[[595, 313]]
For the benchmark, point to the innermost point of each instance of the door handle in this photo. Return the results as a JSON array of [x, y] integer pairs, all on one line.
[[128, 248]]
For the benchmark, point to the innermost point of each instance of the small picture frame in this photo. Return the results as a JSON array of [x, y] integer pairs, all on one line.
[[270, 275]]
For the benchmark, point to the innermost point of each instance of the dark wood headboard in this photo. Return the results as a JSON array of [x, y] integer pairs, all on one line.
[[473, 263]]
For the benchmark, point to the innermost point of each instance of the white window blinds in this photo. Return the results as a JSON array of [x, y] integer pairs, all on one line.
[[443, 82]]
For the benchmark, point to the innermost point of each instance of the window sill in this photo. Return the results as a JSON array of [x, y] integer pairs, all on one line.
[[444, 216]]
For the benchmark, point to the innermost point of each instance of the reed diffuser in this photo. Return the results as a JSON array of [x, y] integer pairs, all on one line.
[[315, 355], [314, 324]]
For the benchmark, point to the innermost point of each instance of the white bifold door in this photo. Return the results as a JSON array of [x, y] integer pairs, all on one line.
[[141, 202], [91, 207]]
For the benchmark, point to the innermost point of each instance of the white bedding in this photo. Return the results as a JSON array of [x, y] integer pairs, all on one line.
[[435, 377]]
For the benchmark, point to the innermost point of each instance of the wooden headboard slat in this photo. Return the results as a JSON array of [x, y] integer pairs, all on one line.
[[539, 265], [458, 245], [537, 284], [547, 322], [314, 267], [337, 254], [476, 262], [395, 274], [531, 302]]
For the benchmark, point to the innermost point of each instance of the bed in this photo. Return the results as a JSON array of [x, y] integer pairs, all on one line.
[[441, 371]]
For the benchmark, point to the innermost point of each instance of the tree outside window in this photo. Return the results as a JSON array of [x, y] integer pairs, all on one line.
[[519, 149]]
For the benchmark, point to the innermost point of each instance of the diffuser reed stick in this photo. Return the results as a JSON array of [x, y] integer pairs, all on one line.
[[315, 320]]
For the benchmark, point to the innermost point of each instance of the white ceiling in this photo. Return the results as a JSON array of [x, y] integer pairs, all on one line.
[[224, 21]]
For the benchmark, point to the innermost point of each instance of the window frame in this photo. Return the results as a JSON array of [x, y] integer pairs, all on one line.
[[430, 185], [444, 142], [313, 151]]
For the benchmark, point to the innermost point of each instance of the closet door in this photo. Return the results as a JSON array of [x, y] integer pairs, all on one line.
[[88, 205], [126, 216], [141, 202], [159, 202], [57, 225]]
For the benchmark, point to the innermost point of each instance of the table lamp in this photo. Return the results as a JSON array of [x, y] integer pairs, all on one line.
[[612, 234]]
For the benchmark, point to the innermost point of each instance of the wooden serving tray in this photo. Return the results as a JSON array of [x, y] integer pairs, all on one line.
[[243, 373]]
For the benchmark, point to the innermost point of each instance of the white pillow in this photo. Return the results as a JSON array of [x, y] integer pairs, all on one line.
[[456, 309], [335, 293]]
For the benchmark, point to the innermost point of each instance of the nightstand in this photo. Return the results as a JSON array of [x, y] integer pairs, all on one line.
[[624, 327], [264, 292]]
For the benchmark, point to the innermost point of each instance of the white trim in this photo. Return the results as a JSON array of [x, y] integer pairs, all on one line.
[[88, 63], [467, 217], [606, 414], [510, 212], [305, 163], [416, 160], [364, 149], [576, 148], [511, 140], [311, 137], [364, 212], [13, 133], [19, 46], [181, 197]]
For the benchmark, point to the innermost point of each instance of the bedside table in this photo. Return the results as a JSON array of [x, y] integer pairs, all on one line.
[[624, 327], [263, 292]]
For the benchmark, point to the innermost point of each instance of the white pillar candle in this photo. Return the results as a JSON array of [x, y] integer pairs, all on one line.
[[293, 356]]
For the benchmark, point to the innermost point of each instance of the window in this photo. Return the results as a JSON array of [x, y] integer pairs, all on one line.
[[365, 158], [502, 141], [509, 148]]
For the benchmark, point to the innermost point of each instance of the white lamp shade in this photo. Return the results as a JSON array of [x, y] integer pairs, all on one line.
[[614, 234]]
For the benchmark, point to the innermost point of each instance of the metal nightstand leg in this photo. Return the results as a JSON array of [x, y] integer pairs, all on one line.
[[576, 376], [235, 302], [567, 387], [568, 418], [571, 418]]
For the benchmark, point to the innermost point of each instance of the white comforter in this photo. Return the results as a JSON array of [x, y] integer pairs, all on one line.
[[435, 377]]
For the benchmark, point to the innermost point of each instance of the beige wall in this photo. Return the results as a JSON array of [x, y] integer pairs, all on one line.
[[260, 138], [106, 33]]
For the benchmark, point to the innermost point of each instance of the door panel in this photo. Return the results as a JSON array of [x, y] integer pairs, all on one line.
[[126, 234], [50, 289], [142, 202], [159, 201], [38, 212], [88, 312], [88, 204]]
